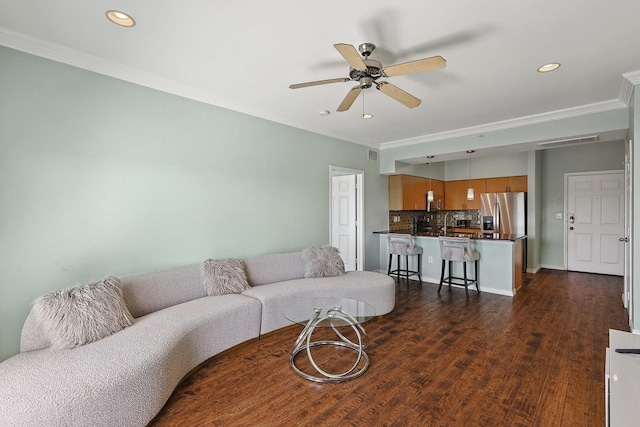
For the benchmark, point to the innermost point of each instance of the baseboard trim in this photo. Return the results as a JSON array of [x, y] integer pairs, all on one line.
[[436, 281], [553, 267]]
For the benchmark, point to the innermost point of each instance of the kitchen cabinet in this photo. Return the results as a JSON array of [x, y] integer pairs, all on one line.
[[438, 193], [506, 184], [456, 194], [407, 193], [414, 193]]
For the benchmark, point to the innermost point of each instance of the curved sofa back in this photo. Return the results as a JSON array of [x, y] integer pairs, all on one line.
[[151, 291], [144, 293], [272, 268], [147, 292]]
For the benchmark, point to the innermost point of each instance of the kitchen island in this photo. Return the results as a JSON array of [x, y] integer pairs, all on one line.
[[501, 258]]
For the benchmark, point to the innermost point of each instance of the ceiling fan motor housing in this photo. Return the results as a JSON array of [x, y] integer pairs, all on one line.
[[372, 71]]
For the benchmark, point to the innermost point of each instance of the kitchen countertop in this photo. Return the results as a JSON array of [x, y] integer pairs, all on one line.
[[472, 235]]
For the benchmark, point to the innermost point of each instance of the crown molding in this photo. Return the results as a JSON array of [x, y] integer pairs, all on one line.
[[78, 59], [582, 110], [629, 80]]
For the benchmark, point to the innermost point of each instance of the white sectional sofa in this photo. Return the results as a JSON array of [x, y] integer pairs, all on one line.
[[126, 378]]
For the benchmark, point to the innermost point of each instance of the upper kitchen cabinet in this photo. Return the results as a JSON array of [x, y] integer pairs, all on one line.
[[506, 184], [407, 193], [438, 194], [456, 194]]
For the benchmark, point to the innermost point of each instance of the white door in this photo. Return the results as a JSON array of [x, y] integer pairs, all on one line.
[[595, 223], [343, 218]]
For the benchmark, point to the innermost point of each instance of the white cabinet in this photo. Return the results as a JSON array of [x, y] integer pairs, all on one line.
[[622, 380]]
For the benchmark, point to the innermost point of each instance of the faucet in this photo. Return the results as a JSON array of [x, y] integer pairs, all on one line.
[[444, 228]]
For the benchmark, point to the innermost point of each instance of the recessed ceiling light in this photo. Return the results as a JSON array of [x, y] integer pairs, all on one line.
[[120, 18], [325, 113], [549, 67], [366, 116]]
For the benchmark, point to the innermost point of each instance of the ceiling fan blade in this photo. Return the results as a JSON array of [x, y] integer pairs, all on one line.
[[425, 64], [350, 98], [319, 82], [398, 94], [351, 55]]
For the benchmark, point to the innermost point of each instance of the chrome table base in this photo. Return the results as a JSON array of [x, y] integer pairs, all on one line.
[[336, 318]]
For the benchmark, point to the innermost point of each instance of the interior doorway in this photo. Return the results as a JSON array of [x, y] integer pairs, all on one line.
[[347, 215], [595, 230]]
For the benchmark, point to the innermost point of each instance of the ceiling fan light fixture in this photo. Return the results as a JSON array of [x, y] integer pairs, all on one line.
[[120, 18], [364, 115], [549, 67]]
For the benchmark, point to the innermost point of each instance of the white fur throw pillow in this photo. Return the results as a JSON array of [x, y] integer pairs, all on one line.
[[82, 314], [324, 261], [224, 276]]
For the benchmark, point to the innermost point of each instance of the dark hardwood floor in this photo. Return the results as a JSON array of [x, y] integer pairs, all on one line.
[[437, 360]]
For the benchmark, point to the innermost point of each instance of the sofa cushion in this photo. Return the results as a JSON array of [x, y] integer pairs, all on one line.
[[82, 314], [224, 276], [324, 261], [265, 269], [371, 287]]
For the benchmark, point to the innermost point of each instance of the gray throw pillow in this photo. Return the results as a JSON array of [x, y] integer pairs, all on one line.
[[324, 261], [82, 314], [224, 276]]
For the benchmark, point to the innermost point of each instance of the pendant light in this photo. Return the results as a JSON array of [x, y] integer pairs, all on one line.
[[430, 192], [470, 192]]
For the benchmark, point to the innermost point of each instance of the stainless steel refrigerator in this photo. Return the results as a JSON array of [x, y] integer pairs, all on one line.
[[504, 213]]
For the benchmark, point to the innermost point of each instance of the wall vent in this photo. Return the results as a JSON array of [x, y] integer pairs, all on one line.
[[564, 142], [373, 155]]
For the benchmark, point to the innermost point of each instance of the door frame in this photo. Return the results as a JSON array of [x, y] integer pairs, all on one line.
[[627, 296], [359, 213], [566, 207]]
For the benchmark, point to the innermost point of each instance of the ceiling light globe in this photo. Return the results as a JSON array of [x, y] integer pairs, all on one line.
[[120, 18], [549, 67]]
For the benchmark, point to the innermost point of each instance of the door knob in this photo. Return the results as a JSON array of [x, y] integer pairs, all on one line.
[[570, 228], [624, 239]]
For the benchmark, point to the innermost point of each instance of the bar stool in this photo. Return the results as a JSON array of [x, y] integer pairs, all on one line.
[[403, 245], [458, 249]]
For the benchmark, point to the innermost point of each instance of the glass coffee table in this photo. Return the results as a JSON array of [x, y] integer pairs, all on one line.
[[345, 316]]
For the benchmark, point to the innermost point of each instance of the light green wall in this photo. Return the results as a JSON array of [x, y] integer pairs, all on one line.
[[507, 164], [555, 163], [99, 176]]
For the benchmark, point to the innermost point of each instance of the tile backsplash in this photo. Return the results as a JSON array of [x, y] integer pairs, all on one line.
[[403, 220]]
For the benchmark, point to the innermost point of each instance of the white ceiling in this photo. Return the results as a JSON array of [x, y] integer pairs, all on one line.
[[244, 54]]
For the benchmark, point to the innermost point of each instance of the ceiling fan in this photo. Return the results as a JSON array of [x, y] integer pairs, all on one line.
[[367, 71]]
